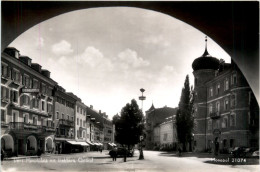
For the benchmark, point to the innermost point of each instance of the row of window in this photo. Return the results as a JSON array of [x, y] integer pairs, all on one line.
[[24, 100], [225, 104], [82, 134], [81, 110], [25, 80], [79, 122], [64, 102], [224, 122], [226, 85], [26, 119], [63, 116]]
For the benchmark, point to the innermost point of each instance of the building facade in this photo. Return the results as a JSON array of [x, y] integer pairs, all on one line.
[[108, 131], [64, 120], [80, 124], [154, 117], [168, 133], [222, 106], [26, 105]]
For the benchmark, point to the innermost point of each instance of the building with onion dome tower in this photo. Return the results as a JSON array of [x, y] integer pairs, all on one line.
[[225, 110]]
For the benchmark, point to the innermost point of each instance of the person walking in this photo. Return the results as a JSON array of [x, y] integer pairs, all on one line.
[[114, 154], [179, 149]]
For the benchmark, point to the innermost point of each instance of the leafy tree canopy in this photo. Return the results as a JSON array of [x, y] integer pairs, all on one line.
[[129, 125]]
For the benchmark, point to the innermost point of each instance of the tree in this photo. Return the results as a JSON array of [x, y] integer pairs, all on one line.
[[184, 118], [129, 125]]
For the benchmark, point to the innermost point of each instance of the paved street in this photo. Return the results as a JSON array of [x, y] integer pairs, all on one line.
[[96, 161]]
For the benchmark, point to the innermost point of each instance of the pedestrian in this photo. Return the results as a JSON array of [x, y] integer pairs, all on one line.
[[125, 152], [179, 149], [114, 154], [39, 152], [2, 154]]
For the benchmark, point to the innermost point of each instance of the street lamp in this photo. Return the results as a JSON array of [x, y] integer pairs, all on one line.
[[142, 98]]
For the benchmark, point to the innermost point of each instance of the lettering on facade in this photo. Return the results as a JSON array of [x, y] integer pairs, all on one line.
[[33, 90]]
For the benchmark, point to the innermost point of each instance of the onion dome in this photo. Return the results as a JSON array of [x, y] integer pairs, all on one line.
[[206, 61]]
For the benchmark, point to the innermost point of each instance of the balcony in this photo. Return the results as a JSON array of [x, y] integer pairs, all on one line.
[[214, 115], [4, 79], [25, 128], [15, 83], [5, 100], [64, 136], [82, 128], [66, 122]]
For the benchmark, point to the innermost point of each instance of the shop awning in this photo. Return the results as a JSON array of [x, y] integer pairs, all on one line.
[[110, 144], [73, 142], [89, 143], [113, 144], [83, 143]]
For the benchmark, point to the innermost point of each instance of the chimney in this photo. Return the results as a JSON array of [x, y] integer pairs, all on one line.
[[99, 111], [26, 60], [46, 73], [12, 52], [91, 107], [36, 67], [221, 65]]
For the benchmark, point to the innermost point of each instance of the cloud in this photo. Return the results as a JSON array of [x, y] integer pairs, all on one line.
[[95, 59], [62, 48], [129, 58]]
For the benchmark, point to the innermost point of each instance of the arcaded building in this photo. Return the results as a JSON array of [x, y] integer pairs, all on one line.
[[225, 109], [26, 105]]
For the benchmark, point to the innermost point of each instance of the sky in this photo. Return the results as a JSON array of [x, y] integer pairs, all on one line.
[[105, 55]]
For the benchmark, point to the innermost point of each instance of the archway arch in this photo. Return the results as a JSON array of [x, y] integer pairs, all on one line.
[[235, 28], [48, 144], [7, 142], [31, 143]]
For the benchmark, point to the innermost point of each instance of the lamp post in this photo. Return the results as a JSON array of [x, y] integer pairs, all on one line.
[[142, 98]]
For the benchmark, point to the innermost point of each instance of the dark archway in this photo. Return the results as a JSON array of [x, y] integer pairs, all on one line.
[[233, 25]]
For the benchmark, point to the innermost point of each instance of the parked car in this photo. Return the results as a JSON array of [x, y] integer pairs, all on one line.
[[121, 152], [248, 152], [238, 152], [255, 154]]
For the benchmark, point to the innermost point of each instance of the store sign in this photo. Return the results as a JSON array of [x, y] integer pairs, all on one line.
[[28, 90]]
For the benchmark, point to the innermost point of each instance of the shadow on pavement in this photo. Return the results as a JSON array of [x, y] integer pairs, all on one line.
[[189, 154], [102, 157]]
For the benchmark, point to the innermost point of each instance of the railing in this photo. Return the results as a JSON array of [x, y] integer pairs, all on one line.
[[23, 126], [30, 127], [5, 99], [64, 136], [82, 128], [66, 122], [214, 115]]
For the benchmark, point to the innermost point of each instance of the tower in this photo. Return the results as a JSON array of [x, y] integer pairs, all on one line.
[[204, 70]]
